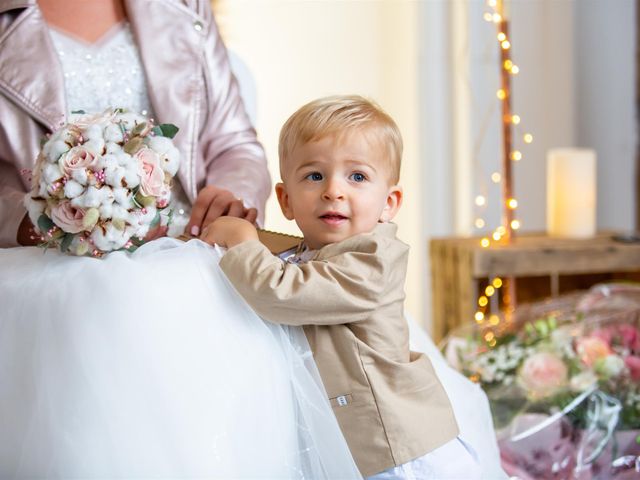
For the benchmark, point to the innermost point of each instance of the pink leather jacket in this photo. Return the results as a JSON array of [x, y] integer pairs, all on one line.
[[190, 85]]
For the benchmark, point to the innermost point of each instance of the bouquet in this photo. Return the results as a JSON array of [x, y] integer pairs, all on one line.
[[563, 382], [101, 182]]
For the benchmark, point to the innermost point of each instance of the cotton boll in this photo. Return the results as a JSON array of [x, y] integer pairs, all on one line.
[[122, 197], [141, 231], [113, 133], [114, 175], [124, 158], [91, 198], [35, 208], [43, 189], [53, 149], [111, 147], [169, 154], [106, 211], [95, 145], [80, 176], [93, 132], [51, 173], [131, 175], [72, 189], [109, 237], [148, 215], [67, 135], [130, 120], [119, 212]]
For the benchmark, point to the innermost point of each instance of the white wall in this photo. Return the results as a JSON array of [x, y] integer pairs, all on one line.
[[301, 50]]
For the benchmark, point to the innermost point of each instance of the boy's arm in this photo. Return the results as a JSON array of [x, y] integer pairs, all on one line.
[[345, 290]]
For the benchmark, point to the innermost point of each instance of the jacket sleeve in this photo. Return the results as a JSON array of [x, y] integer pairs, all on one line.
[[12, 209], [234, 159], [345, 289]]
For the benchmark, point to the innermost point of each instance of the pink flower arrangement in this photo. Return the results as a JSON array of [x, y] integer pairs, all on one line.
[[101, 182]]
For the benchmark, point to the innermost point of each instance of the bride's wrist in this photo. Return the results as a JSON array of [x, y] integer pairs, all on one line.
[[25, 235]]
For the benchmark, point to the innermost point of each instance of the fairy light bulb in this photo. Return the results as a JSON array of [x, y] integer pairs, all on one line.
[[479, 316], [480, 200], [512, 203], [494, 320], [528, 138], [506, 45], [508, 65], [489, 291], [496, 236], [501, 94], [489, 336], [515, 224], [488, 17], [483, 301], [515, 119], [479, 223], [501, 230], [497, 18], [492, 3], [484, 243], [515, 70], [516, 155], [496, 177], [502, 37], [497, 282]]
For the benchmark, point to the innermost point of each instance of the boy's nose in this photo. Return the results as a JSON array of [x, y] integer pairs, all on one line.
[[333, 191]]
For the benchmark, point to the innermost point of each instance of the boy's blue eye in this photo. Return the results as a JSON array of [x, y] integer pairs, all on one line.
[[315, 177], [358, 177]]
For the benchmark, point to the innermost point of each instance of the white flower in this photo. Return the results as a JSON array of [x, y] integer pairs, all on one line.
[[109, 237], [610, 366], [114, 175], [122, 196], [130, 120], [169, 154], [583, 381], [93, 132], [72, 189], [131, 176], [113, 133], [111, 147], [51, 173], [53, 149], [35, 208], [118, 212], [96, 145], [80, 176], [91, 198]]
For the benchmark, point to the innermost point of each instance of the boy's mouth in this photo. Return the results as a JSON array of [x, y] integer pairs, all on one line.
[[333, 218]]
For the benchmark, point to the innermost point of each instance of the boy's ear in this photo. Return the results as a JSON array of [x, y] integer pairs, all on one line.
[[394, 201], [283, 200]]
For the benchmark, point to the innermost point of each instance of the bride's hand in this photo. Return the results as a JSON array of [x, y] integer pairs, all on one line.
[[25, 235], [213, 202], [228, 232]]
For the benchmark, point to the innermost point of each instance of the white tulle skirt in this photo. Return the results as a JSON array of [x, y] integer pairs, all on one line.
[[149, 365]]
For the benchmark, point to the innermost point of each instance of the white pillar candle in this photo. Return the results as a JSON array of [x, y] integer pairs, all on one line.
[[571, 193]]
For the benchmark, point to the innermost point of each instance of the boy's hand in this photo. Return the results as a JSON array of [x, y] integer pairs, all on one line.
[[229, 231]]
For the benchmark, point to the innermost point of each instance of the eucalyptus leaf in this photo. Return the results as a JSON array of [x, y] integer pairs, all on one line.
[[45, 223], [155, 221], [66, 241], [133, 145], [80, 112], [168, 130]]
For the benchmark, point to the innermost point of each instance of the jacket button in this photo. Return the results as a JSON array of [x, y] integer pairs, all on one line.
[[198, 26]]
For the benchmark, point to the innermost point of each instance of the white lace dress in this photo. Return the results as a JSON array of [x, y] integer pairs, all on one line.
[[149, 365]]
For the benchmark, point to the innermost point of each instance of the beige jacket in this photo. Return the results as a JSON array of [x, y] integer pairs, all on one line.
[[189, 82], [390, 405]]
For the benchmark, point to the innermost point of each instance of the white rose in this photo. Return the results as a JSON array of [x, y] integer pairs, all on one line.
[[72, 189], [610, 366], [583, 381], [169, 154]]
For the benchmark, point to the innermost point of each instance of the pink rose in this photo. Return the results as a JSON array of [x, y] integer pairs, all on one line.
[[67, 217], [151, 174], [628, 336], [78, 158], [633, 364], [543, 374], [590, 349]]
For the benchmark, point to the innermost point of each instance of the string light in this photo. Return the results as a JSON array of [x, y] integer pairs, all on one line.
[[489, 291], [515, 224], [483, 301], [497, 282], [502, 37], [496, 177], [480, 200], [508, 65], [488, 17], [501, 94], [479, 316], [516, 155], [506, 45], [528, 138], [479, 223], [512, 203], [497, 18], [494, 320], [515, 119], [484, 243], [496, 236], [515, 70]]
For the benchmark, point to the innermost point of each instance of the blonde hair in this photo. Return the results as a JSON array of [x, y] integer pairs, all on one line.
[[337, 114]]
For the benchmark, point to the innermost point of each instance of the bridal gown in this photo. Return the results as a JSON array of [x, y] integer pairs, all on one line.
[[149, 365]]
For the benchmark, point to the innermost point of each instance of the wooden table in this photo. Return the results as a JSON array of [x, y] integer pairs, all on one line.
[[541, 265]]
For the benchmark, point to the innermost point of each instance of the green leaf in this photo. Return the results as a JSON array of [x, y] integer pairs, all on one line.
[[155, 221], [45, 223], [66, 241], [81, 112], [168, 130]]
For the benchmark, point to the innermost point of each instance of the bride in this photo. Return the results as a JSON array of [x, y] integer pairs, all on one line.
[[149, 364]]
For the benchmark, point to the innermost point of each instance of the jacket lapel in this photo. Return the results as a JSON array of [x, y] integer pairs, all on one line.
[[170, 38], [36, 86]]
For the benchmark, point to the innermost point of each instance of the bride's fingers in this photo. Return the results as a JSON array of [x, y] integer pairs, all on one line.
[[236, 209], [251, 215], [200, 208], [218, 207]]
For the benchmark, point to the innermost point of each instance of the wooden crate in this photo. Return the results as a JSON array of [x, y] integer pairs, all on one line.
[[541, 266]]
